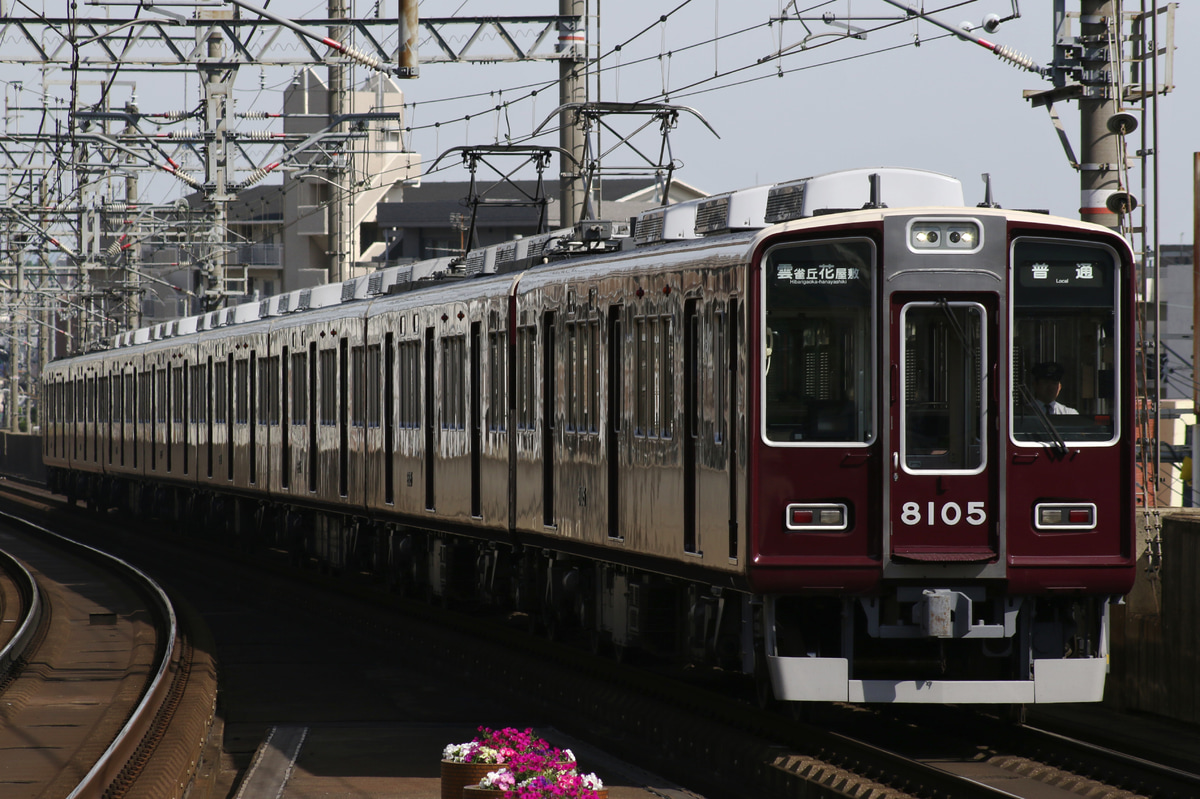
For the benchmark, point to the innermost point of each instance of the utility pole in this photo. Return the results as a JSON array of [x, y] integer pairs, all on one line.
[[409, 60], [339, 214], [218, 84], [1099, 173], [572, 88]]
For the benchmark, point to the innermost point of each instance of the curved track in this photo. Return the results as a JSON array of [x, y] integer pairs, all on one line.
[[94, 676], [21, 606]]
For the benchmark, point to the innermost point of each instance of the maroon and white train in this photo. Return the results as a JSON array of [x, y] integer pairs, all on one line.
[[791, 431]]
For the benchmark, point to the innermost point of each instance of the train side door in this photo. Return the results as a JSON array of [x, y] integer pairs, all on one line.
[[943, 503], [691, 415], [616, 411], [475, 422], [549, 395], [710, 492]]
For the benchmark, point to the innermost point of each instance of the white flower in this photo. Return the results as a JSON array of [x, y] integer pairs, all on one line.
[[592, 782], [455, 753], [569, 755]]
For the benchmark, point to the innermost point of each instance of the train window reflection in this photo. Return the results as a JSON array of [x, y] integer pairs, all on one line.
[[942, 377], [818, 356], [1064, 354]]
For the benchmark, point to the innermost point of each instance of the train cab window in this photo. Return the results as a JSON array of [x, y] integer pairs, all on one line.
[[1064, 342], [943, 403], [818, 352]]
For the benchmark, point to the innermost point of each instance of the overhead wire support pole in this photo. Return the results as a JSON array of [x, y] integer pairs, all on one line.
[[408, 62], [572, 89]]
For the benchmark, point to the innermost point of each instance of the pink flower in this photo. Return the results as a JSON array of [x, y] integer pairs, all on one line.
[[532, 768]]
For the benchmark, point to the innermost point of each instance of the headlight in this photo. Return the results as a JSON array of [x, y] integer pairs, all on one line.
[[928, 235]]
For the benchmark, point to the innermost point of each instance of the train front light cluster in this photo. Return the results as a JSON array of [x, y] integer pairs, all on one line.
[[819, 517], [944, 235], [1058, 516]]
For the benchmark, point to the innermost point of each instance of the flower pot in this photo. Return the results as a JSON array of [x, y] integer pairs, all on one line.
[[475, 792], [457, 775]]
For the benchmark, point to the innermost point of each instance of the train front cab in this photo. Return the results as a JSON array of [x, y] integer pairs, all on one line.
[[921, 532]]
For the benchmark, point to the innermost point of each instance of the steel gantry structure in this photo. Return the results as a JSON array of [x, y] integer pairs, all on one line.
[[75, 164]]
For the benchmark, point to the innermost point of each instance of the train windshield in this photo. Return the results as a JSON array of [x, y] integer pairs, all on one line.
[[818, 351], [1064, 349]]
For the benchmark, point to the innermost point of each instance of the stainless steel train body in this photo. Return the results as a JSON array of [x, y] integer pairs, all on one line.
[[765, 432]]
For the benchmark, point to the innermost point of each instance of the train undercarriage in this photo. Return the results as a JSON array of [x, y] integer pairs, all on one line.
[[914, 643]]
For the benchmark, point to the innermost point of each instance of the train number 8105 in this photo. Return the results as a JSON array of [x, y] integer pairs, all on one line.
[[951, 513]]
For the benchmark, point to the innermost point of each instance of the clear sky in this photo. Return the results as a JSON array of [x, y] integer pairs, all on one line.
[[945, 104], [906, 95]]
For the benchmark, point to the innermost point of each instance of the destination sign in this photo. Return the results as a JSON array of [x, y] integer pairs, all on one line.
[[820, 275], [1063, 274]]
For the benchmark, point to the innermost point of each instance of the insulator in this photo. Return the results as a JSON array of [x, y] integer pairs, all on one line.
[[1014, 57], [255, 135], [184, 135], [172, 115], [256, 115], [362, 58], [256, 176], [115, 248], [115, 208], [186, 178]]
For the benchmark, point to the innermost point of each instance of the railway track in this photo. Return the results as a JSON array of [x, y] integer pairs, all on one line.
[[688, 730], [21, 608], [97, 671], [1093, 755], [1024, 760]]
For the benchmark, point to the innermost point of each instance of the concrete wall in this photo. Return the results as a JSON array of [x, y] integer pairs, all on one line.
[[1156, 634]]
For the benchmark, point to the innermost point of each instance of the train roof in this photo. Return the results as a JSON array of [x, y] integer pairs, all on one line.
[[745, 210]]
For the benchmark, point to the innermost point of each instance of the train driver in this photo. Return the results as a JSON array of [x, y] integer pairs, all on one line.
[[1047, 383]]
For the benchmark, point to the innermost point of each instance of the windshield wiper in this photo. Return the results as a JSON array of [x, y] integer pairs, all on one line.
[[1059, 445], [963, 339]]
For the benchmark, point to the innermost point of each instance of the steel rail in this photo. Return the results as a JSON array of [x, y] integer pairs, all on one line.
[[115, 757], [1166, 780], [27, 586]]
